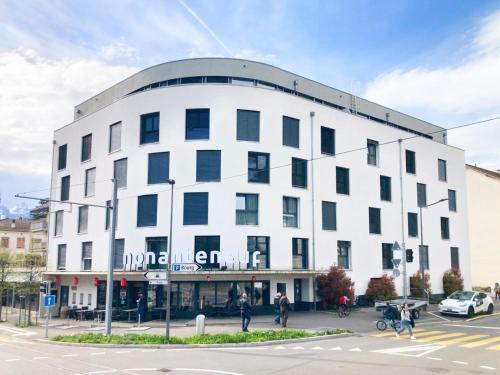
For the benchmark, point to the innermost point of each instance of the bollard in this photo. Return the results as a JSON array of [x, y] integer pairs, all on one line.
[[200, 325]]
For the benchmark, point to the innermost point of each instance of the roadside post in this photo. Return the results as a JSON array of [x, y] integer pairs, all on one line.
[[48, 301]]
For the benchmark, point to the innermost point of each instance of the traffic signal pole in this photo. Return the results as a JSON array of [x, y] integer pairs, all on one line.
[[111, 261], [403, 246]]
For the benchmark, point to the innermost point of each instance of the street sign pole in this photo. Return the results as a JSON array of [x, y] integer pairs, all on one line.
[[169, 263], [47, 310], [111, 261]]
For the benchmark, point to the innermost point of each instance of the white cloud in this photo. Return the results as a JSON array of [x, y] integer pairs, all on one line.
[[38, 95], [119, 51], [466, 91]]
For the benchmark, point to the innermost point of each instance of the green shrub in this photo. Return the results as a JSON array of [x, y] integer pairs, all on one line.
[[452, 281], [220, 338], [416, 284]]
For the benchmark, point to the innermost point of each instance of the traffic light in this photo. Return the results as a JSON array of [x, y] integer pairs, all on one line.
[[43, 287], [409, 255]]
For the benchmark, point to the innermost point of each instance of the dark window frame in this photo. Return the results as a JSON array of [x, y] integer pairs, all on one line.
[[199, 218], [266, 253], [341, 246], [206, 171], [259, 175], [291, 132], [385, 188], [411, 162], [246, 213], [387, 256], [122, 181], [290, 217], [445, 228], [62, 157], [342, 187], [327, 141], [149, 128], [452, 200], [412, 224], [145, 217], [374, 220], [86, 153], [299, 173], [329, 219], [65, 188], [442, 170], [421, 195], [158, 162], [372, 152], [191, 129], [246, 129], [300, 252]]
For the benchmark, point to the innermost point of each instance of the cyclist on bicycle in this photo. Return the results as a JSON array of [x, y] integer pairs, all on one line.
[[343, 300], [391, 313]]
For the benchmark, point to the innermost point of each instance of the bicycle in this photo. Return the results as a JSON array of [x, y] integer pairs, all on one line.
[[382, 324], [344, 311]]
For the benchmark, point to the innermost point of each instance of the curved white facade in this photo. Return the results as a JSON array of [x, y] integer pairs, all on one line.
[[223, 101]]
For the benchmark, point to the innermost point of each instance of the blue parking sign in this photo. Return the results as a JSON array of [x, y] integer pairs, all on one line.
[[177, 267], [49, 300]]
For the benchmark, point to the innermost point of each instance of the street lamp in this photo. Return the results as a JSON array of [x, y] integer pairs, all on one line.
[[169, 263], [421, 252]]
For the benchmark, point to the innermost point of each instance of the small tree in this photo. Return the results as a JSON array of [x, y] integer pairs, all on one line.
[[332, 285], [6, 264], [382, 288], [452, 281], [33, 265], [416, 284]]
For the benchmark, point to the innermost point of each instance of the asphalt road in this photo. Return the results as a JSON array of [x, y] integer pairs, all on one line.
[[443, 345]]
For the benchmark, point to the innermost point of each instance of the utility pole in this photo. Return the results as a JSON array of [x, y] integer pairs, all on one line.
[[403, 247], [111, 260], [47, 309], [169, 263], [312, 114]]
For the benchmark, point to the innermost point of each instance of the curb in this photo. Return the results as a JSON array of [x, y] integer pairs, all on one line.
[[199, 346]]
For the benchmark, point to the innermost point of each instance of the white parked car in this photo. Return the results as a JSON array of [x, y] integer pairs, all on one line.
[[466, 303]]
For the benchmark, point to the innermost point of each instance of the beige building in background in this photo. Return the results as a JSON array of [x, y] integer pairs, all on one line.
[[483, 200]]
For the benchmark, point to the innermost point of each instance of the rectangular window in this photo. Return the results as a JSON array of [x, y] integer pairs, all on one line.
[[299, 172], [247, 209], [455, 260], [258, 167], [120, 172], [445, 228], [147, 206], [61, 257], [115, 137], [65, 181], [20, 242], [156, 245], [73, 298], [81, 298], [89, 299], [329, 215], [385, 188], [5, 242], [452, 200], [290, 212], [195, 209], [58, 227], [247, 125], [374, 219], [150, 128], [442, 170], [411, 162], [387, 256], [118, 256], [208, 165], [421, 195], [62, 157], [158, 167], [342, 180], [208, 244], [424, 256], [412, 224], [86, 147], [260, 244], [372, 155], [290, 132], [198, 123], [90, 182], [327, 141], [83, 219], [300, 253], [344, 254], [87, 256]]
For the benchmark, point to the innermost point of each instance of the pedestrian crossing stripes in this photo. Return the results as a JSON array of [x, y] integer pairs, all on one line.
[[445, 338]]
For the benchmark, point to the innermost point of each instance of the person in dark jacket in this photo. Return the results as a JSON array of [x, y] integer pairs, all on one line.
[[141, 308], [277, 310], [245, 309], [284, 308]]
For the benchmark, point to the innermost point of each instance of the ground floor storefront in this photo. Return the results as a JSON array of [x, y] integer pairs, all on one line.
[[83, 296]]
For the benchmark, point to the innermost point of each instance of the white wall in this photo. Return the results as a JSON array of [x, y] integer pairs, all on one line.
[[223, 101]]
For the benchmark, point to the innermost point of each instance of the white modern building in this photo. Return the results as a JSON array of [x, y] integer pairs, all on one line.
[[238, 138]]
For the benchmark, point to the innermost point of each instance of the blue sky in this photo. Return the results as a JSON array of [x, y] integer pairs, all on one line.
[[432, 59]]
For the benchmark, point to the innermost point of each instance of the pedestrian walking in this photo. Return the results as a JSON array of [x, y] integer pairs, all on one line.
[[284, 308], [277, 311], [141, 308], [245, 309], [406, 322], [497, 291]]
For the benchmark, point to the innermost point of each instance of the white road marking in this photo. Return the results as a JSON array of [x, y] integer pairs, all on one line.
[[488, 367], [69, 355], [40, 357], [123, 352], [279, 347], [317, 348], [355, 350], [438, 316], [421, 350], [149, 350], [460, 363], [102, 372], [462, 325], [12, 360], [207, 371], [141, 369], [336, 348], [433, 358], [98, 353], [298, 348]]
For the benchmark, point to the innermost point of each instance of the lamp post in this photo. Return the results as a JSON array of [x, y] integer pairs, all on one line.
[[169, 262], [421, 252]]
